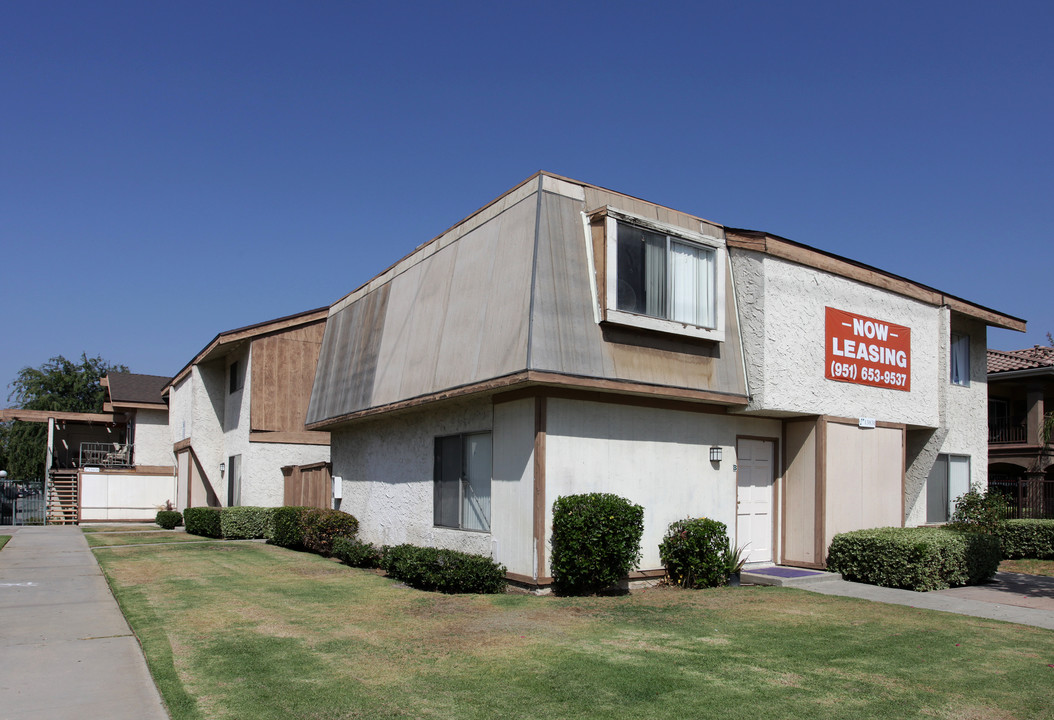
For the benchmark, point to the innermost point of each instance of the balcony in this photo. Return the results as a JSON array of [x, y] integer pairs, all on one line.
[[1006, 433], [105, 455]]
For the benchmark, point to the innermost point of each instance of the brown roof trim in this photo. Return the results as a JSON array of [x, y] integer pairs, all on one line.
[[802, 254], [550, 379], [45, 415], [250, 332]]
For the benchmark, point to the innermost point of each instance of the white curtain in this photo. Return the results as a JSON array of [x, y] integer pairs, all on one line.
[[475, 511], [960, 359], [691, 285], [655, 274]]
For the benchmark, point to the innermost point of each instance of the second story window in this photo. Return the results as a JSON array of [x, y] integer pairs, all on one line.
[[659, 277], [959, 353], [664, 277], [235, 377]]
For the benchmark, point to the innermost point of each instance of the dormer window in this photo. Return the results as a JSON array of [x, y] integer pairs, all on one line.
[[661, 277]]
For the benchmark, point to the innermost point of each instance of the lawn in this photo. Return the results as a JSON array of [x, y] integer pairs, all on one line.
[[110, 539], [245, 630], [1028, 567], [127, 527], [3, 540]]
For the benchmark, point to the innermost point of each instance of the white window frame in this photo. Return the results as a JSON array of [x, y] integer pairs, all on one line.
[[611, 312], [959, 340]]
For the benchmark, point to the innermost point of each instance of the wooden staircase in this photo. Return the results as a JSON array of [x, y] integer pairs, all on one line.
[[63, 501]]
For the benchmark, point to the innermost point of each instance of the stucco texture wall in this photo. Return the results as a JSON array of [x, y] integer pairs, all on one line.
[[784, 342], [657, 458], [387, 467], [153, 442]]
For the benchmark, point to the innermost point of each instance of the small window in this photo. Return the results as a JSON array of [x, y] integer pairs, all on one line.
[[234, 480], [462, 474], [948, 481], [663, 278], [235, 377], [960, 359]]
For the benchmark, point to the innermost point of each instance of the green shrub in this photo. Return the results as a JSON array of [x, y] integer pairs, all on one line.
[[695, 552], [446, 571], [244, 522], [1027, 539], [979, 512], [595, 543], [322, 527], [287, 530], [914, 558], [203, 521], [168, 519], [356, 553]]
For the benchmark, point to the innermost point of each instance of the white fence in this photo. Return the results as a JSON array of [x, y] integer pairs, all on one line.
[[124, 496]]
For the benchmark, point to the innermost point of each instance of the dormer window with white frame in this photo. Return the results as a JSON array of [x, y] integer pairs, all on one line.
[[662, 278]]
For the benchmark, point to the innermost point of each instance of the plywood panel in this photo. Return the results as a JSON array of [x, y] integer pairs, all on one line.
[[800, 511], [865, 469], [283, 372]]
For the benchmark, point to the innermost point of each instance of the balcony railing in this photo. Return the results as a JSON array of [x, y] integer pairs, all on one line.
[[1026, 498], [105, 454], [1006, 433]]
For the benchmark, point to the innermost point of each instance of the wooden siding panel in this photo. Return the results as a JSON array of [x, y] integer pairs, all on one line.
[[283, 372]]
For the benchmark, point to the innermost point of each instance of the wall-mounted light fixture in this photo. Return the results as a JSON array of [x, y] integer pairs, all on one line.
[[715, 453], [223, 466]]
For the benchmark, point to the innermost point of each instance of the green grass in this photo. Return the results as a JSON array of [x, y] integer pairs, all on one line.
[[1028, 567], [249, 630], [3, 540]]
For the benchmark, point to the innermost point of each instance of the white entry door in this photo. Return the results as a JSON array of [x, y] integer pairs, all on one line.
[[754, 478]]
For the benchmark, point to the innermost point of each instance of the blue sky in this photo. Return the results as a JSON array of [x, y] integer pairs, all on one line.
[[172, 170]]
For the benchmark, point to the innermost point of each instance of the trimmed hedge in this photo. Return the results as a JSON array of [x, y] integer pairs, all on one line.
[[1027, 539], [595, 541], [356, 553], [914, 558], [312, 529], [168, 519], [695, 552], [322, 527], [286, 529], [244, 522], [446, 571], [203, 521]]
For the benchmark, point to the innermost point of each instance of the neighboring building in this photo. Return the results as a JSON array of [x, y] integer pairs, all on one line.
[[237, 416], [114, 465], [1020, 397], [568, 339]]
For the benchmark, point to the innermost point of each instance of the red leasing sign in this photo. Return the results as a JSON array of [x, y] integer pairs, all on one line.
[[867, 351]]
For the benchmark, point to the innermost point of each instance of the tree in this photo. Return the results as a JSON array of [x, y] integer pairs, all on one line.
[[58, 385]]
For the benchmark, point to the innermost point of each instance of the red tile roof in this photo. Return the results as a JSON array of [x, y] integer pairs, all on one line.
[[1027, 359]]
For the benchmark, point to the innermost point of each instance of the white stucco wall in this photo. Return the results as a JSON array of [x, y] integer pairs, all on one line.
[[153, 443], [657, 458], [963, 428], [180, 415], [208, 385], [784, 342], [236, 420], [387, 467]]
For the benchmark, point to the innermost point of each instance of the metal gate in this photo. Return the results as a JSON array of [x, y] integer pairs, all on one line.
[[21, 503]]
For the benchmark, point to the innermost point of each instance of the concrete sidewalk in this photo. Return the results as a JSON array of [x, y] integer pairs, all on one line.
[[1011, 597], [65, 648]]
